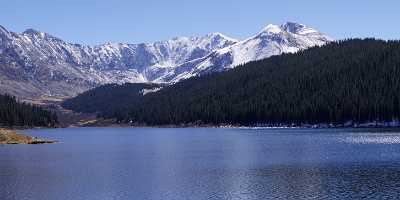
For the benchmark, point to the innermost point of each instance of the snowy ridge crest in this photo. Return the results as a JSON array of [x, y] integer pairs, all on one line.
[[36, 63], [272, 40]]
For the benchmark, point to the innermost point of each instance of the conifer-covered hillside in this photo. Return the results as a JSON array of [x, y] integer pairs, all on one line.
[[14, 113]]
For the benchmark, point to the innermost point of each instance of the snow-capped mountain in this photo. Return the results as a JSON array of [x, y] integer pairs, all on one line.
[[34, 63], [272, 40]]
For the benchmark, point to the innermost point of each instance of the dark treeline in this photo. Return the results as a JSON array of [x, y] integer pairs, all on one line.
[[14, 113], [107, 98], [354, 79]]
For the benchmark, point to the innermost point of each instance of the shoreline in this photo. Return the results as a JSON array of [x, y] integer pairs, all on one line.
[[111, 123], [11, 136], [316, 126]]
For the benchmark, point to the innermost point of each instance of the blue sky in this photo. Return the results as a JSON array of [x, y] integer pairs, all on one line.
[[134, 21]]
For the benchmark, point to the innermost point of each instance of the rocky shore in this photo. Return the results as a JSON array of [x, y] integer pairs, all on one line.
[[12, 137]]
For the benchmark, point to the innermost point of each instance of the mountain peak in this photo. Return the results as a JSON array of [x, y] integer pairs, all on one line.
[[289, 27], [216, 34], [297, 28], [271, 28], [219, 35], [33, 32], [2, 29], [292, 26], [4, 33]]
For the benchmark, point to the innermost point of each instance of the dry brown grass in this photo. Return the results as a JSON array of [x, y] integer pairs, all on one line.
[[11, 137]]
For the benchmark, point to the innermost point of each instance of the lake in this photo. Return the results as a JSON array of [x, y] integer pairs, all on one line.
[[203, 163]]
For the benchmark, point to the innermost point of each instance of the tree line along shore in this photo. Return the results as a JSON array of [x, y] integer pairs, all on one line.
[[15, 114]]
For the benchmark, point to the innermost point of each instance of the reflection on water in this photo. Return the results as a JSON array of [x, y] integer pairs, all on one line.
[[181, 164], [356, 181], [373, 138]]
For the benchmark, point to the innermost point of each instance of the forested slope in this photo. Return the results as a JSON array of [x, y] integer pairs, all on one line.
[[108, 97], [14, 113]]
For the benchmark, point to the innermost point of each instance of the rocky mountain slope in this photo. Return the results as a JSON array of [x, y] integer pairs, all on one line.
[[35, 64]]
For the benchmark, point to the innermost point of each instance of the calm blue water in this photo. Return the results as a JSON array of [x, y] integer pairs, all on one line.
[[185, 164]]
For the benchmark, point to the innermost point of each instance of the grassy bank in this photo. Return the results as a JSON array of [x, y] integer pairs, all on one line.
[[8, 136]]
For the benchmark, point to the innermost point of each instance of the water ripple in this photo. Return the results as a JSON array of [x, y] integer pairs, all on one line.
[[372, 139]]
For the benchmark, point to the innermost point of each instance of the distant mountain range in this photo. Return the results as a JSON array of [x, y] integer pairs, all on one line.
[[35, 64]]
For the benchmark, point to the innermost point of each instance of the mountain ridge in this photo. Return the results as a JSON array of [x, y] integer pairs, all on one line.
[[35, 63]]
